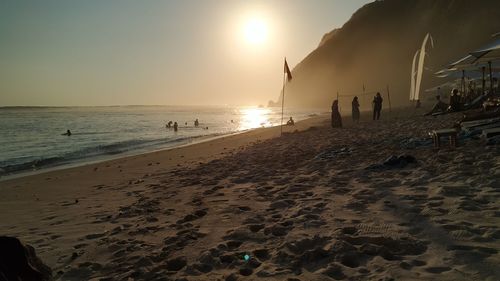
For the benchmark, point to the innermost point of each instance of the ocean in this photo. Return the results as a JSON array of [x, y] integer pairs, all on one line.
[[31, 138]]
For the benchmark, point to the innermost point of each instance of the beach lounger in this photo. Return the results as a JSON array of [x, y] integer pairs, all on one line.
[[479, 129], [439, 113], [438, 134], [477, 102], [476, 123], [489, 133], [474, 116]]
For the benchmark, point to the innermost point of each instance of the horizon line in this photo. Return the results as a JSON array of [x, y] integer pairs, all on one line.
[[128, 105]]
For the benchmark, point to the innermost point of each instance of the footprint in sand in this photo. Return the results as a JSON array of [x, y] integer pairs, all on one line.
[[94, 236], [438, 269], [176, 264], [49, 218], [469, 254], [277, 230], [80, 273], [334, 271], [194, 216], [255, 227], [261, 254]]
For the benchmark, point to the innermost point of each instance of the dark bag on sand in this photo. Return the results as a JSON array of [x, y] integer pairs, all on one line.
[[399, 161], [19, 262]]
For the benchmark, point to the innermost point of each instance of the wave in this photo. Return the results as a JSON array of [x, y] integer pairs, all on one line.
[[91, 152]]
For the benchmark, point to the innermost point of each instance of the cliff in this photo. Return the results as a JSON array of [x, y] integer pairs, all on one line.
[[376, 47]]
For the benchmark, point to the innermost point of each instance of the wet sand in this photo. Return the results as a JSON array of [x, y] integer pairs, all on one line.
[[315, 204]]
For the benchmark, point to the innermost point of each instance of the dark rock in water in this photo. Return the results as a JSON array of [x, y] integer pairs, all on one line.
[[19, 262]]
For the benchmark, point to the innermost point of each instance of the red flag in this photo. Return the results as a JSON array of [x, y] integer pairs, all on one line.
[[287, 71]]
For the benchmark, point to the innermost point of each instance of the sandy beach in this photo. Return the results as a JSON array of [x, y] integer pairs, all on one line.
[[315, 204]]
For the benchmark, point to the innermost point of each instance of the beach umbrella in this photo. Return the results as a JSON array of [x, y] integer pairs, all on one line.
[[457, 73], [445, 72], [470, 63], [488, 54], [449, 84], [463, 63]]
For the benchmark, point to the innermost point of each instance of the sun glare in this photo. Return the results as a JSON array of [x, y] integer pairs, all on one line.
[[256, 31], [254, 118]]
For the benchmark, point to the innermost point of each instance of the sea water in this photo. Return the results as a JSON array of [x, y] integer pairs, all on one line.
[[31, 137]]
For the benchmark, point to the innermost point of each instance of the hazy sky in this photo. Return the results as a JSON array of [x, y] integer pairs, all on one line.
[[183, 52]]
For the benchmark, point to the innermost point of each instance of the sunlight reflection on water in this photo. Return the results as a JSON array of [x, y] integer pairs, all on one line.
[[254, 118]]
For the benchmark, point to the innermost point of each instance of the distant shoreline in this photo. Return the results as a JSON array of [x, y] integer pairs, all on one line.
[[131, 105], [102, 159]]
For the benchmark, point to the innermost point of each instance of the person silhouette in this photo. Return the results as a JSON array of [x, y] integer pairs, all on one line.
[[336, 118], [377, 106], [355, 109], [175, 126], [454, 100], [68, 133]]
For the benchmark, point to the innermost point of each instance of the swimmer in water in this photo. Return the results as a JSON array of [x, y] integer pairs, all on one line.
[[68, 133]]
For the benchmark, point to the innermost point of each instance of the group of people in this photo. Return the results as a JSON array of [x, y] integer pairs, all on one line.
[[442, 107], [175, 126], [337, 118]]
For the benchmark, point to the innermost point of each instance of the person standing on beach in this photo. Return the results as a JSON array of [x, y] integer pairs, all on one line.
[[175, 126], [377, 106], [336, 118], [355, 109], [454, 100]]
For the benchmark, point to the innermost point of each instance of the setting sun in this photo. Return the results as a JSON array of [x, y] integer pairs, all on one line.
[[256, 31]]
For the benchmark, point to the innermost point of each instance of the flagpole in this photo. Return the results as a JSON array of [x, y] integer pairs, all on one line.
[[282, 102], [389, 98], [338, 101]]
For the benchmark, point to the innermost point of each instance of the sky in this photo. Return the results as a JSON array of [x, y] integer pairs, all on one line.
[[170, 52]]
